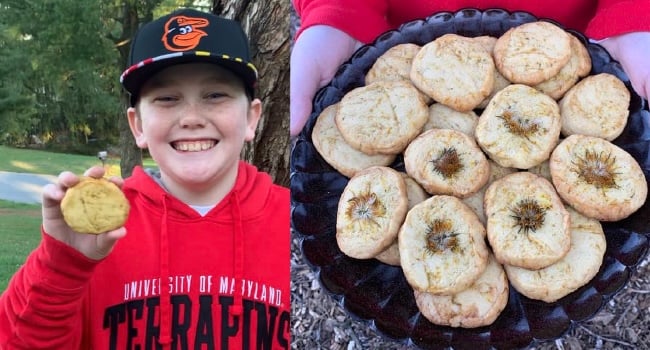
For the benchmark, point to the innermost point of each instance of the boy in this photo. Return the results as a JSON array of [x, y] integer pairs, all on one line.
[[203, 259]]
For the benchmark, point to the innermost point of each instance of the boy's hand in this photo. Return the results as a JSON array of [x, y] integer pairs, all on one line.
[[632, 50], [315, 58], [95, 247]]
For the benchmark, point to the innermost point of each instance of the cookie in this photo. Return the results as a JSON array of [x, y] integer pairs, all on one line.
[[573, 271], [520, 127], [381, 118], [339, 154], [455, 71], [500, 81], [442, 246], [443, 117], [394, 64], [370, 212], [579, 66], [415, 194], [478, 305], [598, 178], [532, 52], [475, 201], [527, 224], [94, 206], [596, 106], [445, 161], [543, 170]]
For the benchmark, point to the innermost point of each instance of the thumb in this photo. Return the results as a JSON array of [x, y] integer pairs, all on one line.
[[303, 84]]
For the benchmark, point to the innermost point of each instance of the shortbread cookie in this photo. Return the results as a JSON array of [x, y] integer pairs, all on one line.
[[445, 161], [543, 170], [579, 65], [443, 117], [596, 106], [390, 255], [382, 117], [532, 52], [442, 246], [527, 224], [500, 81], [415, 194], [475, 201], [94, 206], [370, 212], [455, 71], [339, 154], [576, 269], [394, 64], [478, 305], [597, 178], [520, 127]]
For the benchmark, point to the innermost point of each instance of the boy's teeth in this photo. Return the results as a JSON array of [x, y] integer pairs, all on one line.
[[194, 146]]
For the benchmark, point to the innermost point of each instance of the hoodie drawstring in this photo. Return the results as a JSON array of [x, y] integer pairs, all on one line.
[[238, 250], [165, 338]]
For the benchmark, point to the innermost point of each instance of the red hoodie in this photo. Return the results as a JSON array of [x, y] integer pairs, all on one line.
[[364, 20], [215, 282]]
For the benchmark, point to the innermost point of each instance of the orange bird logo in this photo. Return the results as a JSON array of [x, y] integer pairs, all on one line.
[[183, 33]]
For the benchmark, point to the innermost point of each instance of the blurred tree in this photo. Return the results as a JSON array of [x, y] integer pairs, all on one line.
[[58, 63]]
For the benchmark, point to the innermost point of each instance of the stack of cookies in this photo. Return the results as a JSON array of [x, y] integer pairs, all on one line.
[[509, 168]]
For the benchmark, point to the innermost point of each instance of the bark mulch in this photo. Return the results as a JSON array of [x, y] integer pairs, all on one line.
[[319, 322]]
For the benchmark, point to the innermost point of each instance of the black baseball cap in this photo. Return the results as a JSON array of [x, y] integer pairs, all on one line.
[[188, 36]]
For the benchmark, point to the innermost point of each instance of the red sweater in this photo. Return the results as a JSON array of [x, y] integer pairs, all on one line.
[[364, 20], [214, 282]]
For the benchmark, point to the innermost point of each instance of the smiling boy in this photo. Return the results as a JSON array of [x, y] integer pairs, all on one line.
[[203, 259]]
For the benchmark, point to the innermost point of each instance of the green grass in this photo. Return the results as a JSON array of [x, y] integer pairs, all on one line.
[[20, 233], [43, 162], [20, 223]]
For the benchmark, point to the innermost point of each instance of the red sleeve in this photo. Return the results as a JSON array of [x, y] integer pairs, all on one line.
[[615, 17], [363, 20], [41, 307]]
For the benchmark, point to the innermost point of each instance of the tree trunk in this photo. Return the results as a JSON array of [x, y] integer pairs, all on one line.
[[130, 154], [133, 13], [267, 25]]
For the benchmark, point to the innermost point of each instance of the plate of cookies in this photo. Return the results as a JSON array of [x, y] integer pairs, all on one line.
[[474, 179]]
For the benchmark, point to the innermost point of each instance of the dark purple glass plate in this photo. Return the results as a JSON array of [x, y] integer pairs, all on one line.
[[379, 293]]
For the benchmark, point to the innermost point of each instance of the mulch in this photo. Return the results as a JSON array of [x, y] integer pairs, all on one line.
[[319, 322]]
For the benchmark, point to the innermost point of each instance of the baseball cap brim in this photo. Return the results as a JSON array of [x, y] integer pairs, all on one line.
[[135, 76]]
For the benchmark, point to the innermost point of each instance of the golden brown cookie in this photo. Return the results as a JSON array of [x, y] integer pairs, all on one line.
[[596, 106], [94, 206], [415, 195], [370, 212], [578, 66], [339, 154], [520, 127], [475, 201], [532, 52], [381, 118], [394, 64], [445, 161], [442, 246], [543, 170], [443, 117], [455, 71], [598, 178], [527, 224], [576, 269], [478, 305], [500, 81]]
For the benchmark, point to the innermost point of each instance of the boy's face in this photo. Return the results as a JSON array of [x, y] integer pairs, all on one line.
[[194, 119]]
